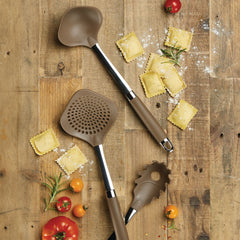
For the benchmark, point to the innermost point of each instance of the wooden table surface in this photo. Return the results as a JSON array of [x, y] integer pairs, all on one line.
[[205, 178]]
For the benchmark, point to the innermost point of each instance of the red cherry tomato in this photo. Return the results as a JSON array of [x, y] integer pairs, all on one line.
[[63, 204], [172, 6], [60, 228]]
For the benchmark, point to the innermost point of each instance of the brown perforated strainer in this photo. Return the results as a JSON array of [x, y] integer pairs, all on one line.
[[89, 116]]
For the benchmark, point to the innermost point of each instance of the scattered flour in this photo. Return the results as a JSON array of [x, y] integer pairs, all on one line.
[[87, 166], [141, 61], [172, 100], [205, 24], [175, 100], [218, 29], [207, 70], [55, 150], [195, 48]]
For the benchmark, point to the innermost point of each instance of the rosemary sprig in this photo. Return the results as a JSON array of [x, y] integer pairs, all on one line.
[[54, 189], [173, 53]]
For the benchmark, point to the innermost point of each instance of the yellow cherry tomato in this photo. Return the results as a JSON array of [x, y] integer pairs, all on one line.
[[76, 185], [171, 211], [79, 210]]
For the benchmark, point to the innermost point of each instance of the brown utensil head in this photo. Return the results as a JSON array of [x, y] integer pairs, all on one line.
[[152, 181], [79, 26], [88, 116]]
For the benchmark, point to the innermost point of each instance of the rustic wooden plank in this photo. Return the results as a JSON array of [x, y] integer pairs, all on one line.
[[197, 93], [55, 92], [96, 78], [225, 175], [19, 176], [54, 95], [143, 18], [18, 166], [52, 52], [148, 22], [224, 30], [190, 162], [19, 46]]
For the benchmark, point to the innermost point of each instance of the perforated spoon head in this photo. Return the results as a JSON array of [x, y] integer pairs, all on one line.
[[79, 26], [89, 116]]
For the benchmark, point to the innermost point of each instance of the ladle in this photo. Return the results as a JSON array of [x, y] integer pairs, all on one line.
[[79, 26]]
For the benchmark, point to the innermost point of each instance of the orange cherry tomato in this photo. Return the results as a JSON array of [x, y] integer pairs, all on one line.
[[76, 185], [171, 211], [79, 210]]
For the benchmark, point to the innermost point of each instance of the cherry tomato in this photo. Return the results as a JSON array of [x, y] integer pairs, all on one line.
[[63, 204], [76, 185], [171, 211], [79, 210], [172, 6], [60, 228]]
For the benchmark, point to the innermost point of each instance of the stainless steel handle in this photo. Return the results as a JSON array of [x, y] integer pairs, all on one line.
[[113, 204], [117, 77], [104, 169], [141, 110]]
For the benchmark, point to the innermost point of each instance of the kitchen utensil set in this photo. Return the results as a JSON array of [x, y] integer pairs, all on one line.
[[89, 116]]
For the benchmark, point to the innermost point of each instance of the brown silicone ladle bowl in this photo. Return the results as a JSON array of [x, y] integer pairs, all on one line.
[[79, 27]]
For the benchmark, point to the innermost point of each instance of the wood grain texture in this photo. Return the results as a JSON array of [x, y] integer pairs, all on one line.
[[54, 95], [141, 148], [224, 30], [225, 127], [38, 77], [190, 162], [224, 47], [96, 78], [19, 175]]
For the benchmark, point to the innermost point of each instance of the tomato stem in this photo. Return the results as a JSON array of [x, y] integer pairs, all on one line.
[[85, 207], [60, 235], [169, 9]]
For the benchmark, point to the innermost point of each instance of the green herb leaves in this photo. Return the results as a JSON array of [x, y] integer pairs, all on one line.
[[173, 53], [53, 186]]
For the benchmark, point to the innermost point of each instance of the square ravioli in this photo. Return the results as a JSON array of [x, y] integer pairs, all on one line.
[[152, 84], [178, 38], [44, 142], [71, 160], [172, 81], [130, 47], [166, 70], [182, 114], [158, 64]]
